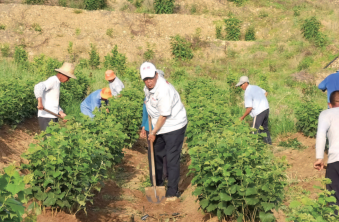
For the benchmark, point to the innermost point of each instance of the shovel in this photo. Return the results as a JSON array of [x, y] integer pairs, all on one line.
[[154, 194], [54, 114]]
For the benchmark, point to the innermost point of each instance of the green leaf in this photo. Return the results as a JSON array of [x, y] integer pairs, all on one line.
[[251, 191], [267, 206], [266, 217], [294, 204], [212, 207], [225, 197], [204, 203], [49, 201], [251, 201], [229, 210]]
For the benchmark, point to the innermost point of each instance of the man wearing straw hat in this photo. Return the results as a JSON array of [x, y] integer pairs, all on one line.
[[94, 101], [115, 83], [47, 93], [256, 105]]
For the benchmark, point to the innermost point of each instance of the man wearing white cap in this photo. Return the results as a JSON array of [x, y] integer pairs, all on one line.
[[47, 93], [256, 105], [169, 123]]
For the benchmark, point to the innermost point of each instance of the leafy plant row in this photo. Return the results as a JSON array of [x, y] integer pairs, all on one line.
[[236, 175]]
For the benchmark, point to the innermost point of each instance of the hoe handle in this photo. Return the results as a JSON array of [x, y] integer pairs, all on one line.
[[54, 114], [152, 156]]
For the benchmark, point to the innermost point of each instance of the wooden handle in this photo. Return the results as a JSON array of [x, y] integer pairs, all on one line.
[[152, 153], [54, 114]]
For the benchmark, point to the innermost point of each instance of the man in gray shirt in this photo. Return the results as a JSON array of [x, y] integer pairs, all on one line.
[[328, 123]]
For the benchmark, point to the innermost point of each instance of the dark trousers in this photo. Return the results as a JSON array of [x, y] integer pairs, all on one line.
[[169, 145], [43, 122], [262, 120], [164, 171], [332, 172]]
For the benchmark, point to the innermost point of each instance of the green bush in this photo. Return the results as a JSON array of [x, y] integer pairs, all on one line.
[[164, 6], [238, 2], [35, 2], [321, 40], [181, 48], [149, 54], [313, 210], [307, 115], [116, 61], [179, 74], [5, 50], [310, 28], [305, 63], [250, 34], [218, 33], [12, 195], [94, 59], [20, 55], [109, 32], [63, 3], [95, 4], [233, 29], [293, 143], [2, 27]]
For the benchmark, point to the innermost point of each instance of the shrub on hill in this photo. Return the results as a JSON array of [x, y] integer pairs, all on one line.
[[164, 6], [238, 2], [233, 29], [95, 4], [250, 34], [311, 31], [20, 55], [181, 48], [94, 59], [35, 2], [116, 61]]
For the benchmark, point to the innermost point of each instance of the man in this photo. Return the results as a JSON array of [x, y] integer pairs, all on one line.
[[47, 93], [328, 123], [169, 122], [94, 101], [330, 83], [256, 105], [115, 83]]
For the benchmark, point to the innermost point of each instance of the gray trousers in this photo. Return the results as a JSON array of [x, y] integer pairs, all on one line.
[[43, 122], [262, 120]]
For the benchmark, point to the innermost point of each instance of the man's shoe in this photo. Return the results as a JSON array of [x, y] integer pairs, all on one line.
[[171, 199]]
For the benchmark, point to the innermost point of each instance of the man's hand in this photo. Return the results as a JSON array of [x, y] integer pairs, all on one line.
[[107, 110], [242, 118], [40, 106], [143, 133], [319, 164], [62, 114], [151, 137]]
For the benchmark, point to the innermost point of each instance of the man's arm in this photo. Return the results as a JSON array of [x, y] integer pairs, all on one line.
[[161, 121], [248, 111], [323, 126], [322, 85], [266, 93]]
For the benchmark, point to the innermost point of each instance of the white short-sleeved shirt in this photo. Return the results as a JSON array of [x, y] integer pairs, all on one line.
[[255, 98], [328, 124], [116, 86], [164, 100], [50, 97]]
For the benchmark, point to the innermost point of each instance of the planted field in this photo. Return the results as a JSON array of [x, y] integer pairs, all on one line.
[[97, 169]]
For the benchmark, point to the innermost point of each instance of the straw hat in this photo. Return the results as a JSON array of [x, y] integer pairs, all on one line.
[[105, 93], [110, 75], [67, 69]]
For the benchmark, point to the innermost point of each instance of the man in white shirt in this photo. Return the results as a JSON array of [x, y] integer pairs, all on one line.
[[169, 123], [48, 92], [328, 123], [115, 83], [256, 105]]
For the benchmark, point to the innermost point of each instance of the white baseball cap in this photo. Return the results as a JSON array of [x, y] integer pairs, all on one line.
[[242, 80], [147, 70]]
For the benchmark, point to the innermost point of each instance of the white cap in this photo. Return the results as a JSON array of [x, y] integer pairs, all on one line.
[[242, 80], [147, 70]]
